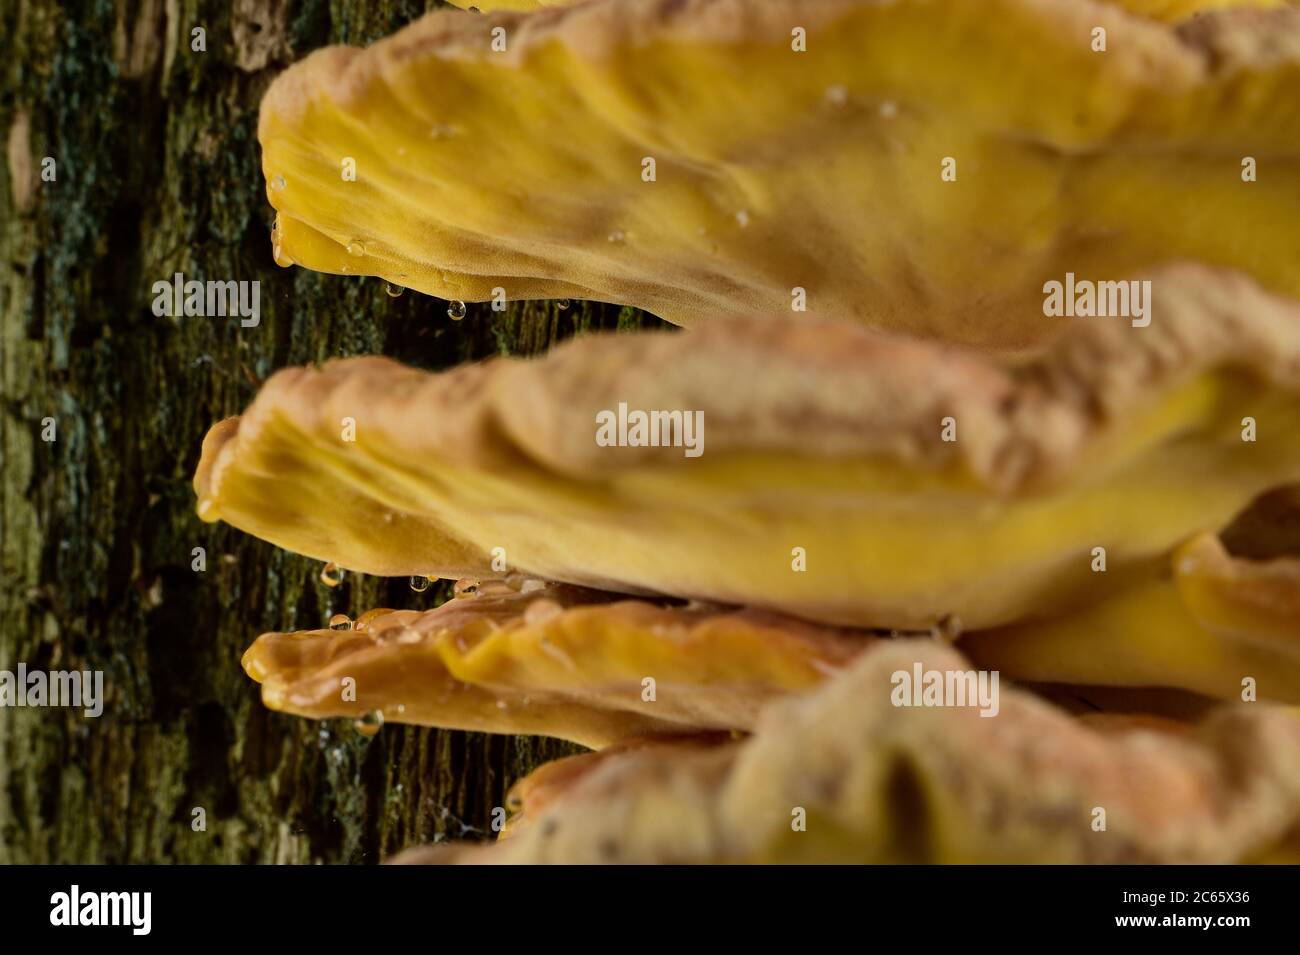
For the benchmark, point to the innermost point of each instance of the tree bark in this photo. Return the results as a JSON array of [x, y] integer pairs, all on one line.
[[157, 171]]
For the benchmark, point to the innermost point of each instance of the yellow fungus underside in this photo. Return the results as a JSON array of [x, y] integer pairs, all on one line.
[[523, 170], [558, 661], [1170, 10], [823, 444], [551, 663], [1221, 627]]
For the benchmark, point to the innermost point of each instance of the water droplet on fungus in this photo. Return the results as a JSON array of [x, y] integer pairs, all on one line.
[[562, 304], [455, 311], [277, 183], [888, 109], [837, 95], [617, 237], [742, 218], [356, 247], [419, 584], [369, 724], [331, 575], [466, 587], [947, 629], [340, 621], [393, 290]]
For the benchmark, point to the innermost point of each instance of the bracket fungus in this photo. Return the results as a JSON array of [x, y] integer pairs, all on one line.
[[584, 665], [820, 436], [1211, 623], [1175, 10], [554, 661], [1169, 10], [606, 154], [749, 521], [881, 784]]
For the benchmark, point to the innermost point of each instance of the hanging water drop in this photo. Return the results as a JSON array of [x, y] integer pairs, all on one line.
[[393, 290], [419, 584], [617, 237], [277, 183], [369, 724], [357, 248], [837, 95], [277, 245], [340, 621], [562, 304], [331, 575], [456, 311], [466, 587]]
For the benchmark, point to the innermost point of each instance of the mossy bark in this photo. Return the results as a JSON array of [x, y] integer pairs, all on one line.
[[157, 171]]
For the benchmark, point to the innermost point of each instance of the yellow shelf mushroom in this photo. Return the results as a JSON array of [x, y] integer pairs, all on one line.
[[769, 158], [553, 661], [1090, 503], [846, 477], [843, 775], [598, 669], [1170, 10], [1217, 625]]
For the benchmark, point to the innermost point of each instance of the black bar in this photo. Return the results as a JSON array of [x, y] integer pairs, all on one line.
[[495, 905]]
